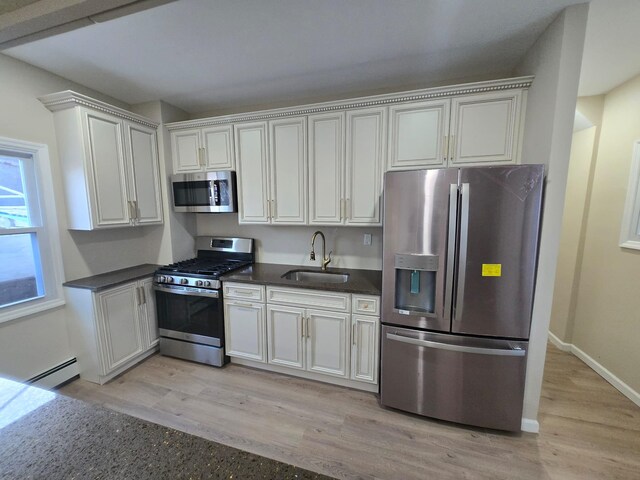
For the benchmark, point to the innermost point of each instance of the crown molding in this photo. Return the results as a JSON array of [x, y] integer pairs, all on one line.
[[360, 102], [69, 99]]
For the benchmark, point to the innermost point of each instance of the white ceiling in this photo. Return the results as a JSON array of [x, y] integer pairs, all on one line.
[[612, 46], [203, 55]]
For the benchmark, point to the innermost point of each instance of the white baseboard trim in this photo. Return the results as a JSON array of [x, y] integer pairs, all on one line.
[[56, 376], [622, 387], [565, 347], [625, 389], [529, 425]]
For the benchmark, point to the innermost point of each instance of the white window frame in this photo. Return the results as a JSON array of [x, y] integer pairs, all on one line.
[[630, 231], [47, 232]]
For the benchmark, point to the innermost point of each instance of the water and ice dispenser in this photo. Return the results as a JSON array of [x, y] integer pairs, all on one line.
[[416, 283]]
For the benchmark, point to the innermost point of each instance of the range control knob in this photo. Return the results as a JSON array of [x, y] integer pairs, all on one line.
[[207, 283], [160, 279], [184, 281], [168, 279], [198, 283]]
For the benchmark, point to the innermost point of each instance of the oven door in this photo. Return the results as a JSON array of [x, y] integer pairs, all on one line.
[[190, 314]]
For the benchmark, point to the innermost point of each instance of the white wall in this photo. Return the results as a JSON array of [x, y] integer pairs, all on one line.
[[29, 346], [555, 61], [292, 245], [603, 326]]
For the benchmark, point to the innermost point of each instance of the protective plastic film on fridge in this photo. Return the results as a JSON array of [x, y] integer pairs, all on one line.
[[459, 266]]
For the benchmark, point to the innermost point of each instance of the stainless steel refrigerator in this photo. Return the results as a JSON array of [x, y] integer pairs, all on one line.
[[459, 267]]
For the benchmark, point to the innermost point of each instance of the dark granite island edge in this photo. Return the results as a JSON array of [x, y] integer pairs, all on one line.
[[111, 279], [366, 282]]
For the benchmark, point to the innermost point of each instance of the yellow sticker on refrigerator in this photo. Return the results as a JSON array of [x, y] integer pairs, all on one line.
[[491, 269]]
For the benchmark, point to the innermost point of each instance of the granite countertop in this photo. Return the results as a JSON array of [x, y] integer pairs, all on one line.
[[111, 279], [46, 435], [367, 282]]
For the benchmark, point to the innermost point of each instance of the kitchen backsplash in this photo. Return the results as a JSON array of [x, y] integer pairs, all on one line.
[[292, 245]]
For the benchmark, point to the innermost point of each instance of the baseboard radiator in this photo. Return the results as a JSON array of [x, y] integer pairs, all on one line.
[[56, 376]]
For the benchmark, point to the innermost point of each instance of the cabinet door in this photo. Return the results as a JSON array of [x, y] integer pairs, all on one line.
[[218, 147], [418, 135], [288, 168], [185, 150], [253, 172], [149, 318], [105, 155], [365, 149], [327, 342], [244, 325], [285, 336], [364, 348], [144, 173], [326, 168], [485, 128], [119, 325]]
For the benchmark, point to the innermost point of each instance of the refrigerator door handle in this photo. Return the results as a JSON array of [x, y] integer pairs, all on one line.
[[451, 249], [518, 352], [462, 252]]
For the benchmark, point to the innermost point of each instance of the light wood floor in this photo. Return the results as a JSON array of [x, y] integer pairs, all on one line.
[[588, 430]]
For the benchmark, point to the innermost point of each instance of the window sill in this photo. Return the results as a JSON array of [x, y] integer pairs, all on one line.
[[633, 244], [19, 312]]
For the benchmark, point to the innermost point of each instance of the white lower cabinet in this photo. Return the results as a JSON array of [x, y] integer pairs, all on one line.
[[244, 325], [364, 348], [327, 342], [111, 329], [309, 333]]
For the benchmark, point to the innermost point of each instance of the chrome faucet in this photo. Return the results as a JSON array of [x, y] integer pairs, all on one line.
[[325, 260]]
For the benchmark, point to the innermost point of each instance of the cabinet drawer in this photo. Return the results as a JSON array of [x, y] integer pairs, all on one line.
[[339, 302], [366, 304], [244, 291]]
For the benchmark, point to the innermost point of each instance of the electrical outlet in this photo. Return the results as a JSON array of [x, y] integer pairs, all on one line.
[[367, 239]]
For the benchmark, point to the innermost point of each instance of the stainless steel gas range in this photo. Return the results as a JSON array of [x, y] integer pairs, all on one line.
[[189, 299]]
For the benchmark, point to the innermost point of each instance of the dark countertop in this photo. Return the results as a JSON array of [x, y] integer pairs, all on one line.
[[367, 282], [46, 435], [111, 279]]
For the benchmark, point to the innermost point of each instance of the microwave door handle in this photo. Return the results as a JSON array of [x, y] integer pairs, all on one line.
[[462, 253], [451, 249]]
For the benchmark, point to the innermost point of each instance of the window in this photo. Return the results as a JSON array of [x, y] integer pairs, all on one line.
[[630, 233], [30, 258]]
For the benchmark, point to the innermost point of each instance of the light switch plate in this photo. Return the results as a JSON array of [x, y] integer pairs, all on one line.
[[367, 239]]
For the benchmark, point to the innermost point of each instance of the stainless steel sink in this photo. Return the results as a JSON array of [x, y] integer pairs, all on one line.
[[314, 276]]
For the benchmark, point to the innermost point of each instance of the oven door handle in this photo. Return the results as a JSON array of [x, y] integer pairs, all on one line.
[[193, 293]]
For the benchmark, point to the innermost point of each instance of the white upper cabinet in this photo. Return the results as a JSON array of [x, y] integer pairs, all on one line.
[[418, 134], [272, 182], [485, 128], [326, 169], [323, 164], [202, 149], [253, 173], [364, 164], [110, 163], [144, 175], [288, 169], [106, 168]]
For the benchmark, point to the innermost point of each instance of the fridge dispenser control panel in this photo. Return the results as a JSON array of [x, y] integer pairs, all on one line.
[[413, 261]]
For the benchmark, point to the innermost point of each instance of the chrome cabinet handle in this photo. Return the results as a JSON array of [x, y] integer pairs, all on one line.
[[301, 318], [451, 147], [143, 295], [518, 352], [243, 304], [138, 302], [353, 334], [462, 255], [273, 209], [445, 147], [201, 161], [135, 209]]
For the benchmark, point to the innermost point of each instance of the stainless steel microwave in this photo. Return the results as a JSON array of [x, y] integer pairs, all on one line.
[[204, 192]]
